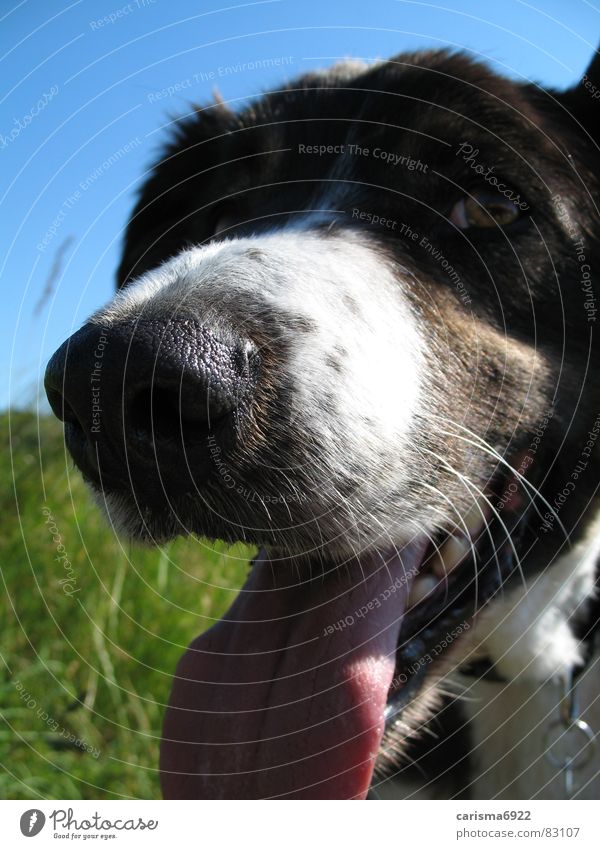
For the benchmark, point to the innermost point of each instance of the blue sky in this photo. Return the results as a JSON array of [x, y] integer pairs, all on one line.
[[83, 104]]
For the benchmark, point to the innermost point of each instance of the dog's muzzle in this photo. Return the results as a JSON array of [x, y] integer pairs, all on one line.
[[140, 399]]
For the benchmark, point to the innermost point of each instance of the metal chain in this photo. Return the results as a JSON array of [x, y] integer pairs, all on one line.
[[573, 748]]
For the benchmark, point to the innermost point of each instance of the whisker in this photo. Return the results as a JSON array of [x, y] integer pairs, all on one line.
[[489, 449], [469, 483]]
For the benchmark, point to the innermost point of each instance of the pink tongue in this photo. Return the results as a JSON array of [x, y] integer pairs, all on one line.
[[284, 697]]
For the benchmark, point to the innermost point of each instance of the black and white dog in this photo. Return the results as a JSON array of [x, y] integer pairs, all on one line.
[[356, 327]]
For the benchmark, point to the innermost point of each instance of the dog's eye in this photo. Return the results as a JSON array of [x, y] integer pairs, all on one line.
[[484, 209]]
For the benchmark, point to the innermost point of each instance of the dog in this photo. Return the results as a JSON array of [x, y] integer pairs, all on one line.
[[355, 328]]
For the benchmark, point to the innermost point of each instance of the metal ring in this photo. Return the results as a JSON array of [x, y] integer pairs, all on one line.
[[580, 727]]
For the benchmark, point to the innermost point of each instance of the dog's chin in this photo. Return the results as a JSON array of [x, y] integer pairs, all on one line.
[[308, 534], [149, 524], [166, 518]]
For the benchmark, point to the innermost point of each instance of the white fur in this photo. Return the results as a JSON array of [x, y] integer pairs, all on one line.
[[526, 633], [271, 285], [528, 637]]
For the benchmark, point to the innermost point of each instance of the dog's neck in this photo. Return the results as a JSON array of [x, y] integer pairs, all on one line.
[[533, 640], [529, 633]]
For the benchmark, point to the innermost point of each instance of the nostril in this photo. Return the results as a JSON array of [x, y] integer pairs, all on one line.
[[154, 414], [164, 388], [61, 407], [157, 413]]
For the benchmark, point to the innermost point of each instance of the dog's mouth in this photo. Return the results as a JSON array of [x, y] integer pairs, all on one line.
[[295, 691]]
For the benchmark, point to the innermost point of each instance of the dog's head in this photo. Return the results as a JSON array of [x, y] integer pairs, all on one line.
[[343, 315]]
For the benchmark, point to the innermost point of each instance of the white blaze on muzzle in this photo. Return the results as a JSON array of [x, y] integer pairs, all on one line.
[[354, 355]]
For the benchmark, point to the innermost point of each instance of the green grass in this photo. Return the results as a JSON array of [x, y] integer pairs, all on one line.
[[88, 651]]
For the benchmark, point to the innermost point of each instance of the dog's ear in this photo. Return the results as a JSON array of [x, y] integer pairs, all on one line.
[[582, 101]]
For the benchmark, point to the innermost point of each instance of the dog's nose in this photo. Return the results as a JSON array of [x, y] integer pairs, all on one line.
[[142, 397]]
